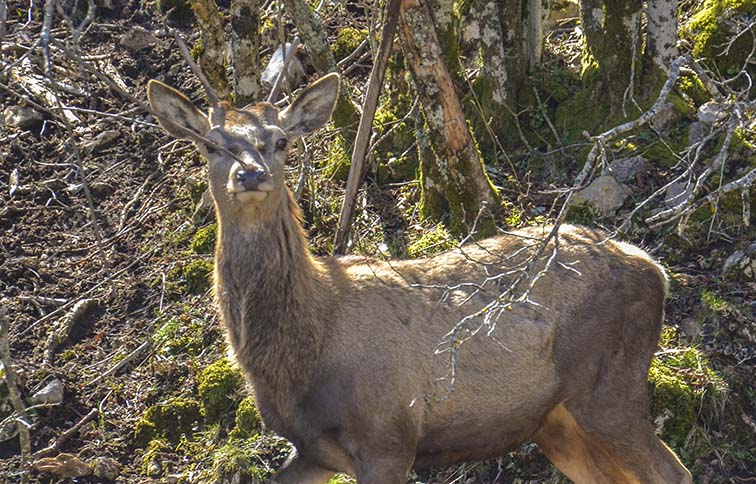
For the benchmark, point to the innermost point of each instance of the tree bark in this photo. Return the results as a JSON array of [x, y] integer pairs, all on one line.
[[458, 165], [613, 40], [245, 50], [661, 42], [212, 59], [313, 35]]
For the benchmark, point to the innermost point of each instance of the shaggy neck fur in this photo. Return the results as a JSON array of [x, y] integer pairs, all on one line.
[[270, 292]]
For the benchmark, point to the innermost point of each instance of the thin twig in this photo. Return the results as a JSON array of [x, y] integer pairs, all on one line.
[[11, 383]]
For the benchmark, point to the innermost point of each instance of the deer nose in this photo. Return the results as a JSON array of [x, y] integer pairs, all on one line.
[[251, 180]]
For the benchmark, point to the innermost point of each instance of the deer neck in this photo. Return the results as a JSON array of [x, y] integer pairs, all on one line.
[[269, 290]]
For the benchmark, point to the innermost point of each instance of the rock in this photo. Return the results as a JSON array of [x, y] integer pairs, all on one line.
[[626, 169], [138, 38], [101, 141], [14, 181], [677, 193], [106, 468], [23, 117], [52, 393], [741, 264], [711, 112], [63, 465], [697, 131], [605, 193], [665, 117], [295, 71]]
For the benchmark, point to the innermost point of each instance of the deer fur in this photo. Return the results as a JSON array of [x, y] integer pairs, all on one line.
[[341, 351]]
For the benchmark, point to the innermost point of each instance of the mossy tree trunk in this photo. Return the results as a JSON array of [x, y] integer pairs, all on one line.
[[613, 42], [613, 63], [212, 58], [455, 184], [245, 50], [498, 29]]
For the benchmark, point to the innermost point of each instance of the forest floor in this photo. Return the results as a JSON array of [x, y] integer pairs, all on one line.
[[100, 228]]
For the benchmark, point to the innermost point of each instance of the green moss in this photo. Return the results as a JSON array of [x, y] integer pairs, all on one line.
[[203, 241], [196, 275], [583, 213], [248, 421], [690, 85], [339, 160], [238, 461], [152, 460], [682, 385], [219, 387], [169, 420], [435, 240], [181, 335], [347, 40], [714, 302], [710, 29]]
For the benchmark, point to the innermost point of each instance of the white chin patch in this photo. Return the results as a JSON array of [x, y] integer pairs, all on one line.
[[251, 196]]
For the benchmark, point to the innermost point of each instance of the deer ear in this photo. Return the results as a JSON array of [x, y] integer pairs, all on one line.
[[175, 112], [313, 108]]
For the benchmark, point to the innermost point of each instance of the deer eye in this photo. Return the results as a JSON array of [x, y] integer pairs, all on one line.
[[282, 143]]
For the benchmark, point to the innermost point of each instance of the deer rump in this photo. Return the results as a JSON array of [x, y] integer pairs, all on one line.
[[350, 358]]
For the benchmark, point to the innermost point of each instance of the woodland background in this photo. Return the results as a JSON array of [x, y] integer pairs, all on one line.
[[633, 116]]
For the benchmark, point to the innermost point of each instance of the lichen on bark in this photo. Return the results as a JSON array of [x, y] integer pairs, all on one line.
[[451, 164], [212, 59], [245, 50]]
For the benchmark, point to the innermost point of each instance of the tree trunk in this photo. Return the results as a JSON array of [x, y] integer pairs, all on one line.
[[613, 41], [498, 29], [313, 35], [458, 165], [538, 13], [245, 50], [212, 58], [661, 42]]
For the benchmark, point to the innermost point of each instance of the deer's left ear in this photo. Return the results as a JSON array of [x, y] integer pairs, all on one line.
[[313, 108], [175, 112]]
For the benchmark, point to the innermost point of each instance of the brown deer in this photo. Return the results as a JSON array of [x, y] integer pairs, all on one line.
[[342, 352]]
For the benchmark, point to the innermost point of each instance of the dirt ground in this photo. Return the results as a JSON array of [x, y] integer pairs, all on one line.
[[98, 219]]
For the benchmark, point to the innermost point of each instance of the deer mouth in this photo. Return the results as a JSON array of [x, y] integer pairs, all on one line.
[[250, 186]]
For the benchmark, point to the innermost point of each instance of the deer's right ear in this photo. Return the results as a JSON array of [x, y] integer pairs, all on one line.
[[175, 112]]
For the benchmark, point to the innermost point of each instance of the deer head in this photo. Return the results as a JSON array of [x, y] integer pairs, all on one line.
[[246, 149]]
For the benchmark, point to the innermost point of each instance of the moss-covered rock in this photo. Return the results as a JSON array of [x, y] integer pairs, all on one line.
[[152, 459], [339, 160], [347, 40], [203, 241], [196, 275], [219, 386], [170, 420], [342, 479], [682, 385], [714, 25], [248, 421]]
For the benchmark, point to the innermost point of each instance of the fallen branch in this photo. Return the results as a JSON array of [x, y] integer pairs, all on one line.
[[62, 438], [62, 329]]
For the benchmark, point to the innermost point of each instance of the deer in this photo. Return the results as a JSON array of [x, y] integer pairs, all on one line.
[[341, 353]]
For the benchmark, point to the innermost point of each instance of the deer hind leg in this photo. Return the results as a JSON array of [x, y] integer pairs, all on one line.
[[621, 448], [577, 454]]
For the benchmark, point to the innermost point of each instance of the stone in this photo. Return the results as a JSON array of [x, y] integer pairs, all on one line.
[[139, 38], [51, 394], [741, 264], [106, 468], [626, 169], [697, 131], [102, 140], [23, 117], [711, 112], [605, 193], [295, 71]]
